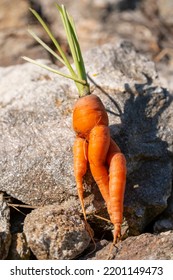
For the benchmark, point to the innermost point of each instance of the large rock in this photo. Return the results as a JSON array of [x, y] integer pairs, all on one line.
[[37, 138], [39, 167]]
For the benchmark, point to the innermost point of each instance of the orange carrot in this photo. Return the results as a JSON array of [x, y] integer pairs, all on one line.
[[93, 143], [107, 163]]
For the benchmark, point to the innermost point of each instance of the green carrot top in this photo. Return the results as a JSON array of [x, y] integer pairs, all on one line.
[[78, 75]]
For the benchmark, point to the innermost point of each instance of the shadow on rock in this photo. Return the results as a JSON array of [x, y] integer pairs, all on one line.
[[138, 135]]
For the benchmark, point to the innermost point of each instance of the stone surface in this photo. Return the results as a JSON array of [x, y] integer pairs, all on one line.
[[5, 236], [33, 126], [37, 135], [143, 247], [147, 247], [56, 232]]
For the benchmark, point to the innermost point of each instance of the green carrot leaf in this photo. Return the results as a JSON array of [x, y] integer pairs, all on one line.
[[46, 46], [83, 82]]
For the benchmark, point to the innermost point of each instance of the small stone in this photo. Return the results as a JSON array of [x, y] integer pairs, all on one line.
[[55, 232]]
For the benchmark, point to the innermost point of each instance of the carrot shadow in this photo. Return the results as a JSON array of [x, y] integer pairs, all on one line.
[[139, 137]]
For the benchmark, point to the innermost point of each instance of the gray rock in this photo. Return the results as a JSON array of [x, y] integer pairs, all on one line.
[[37, 138], [146, 246], [56, 232], [163, 224], [34, 163], [5, 236]]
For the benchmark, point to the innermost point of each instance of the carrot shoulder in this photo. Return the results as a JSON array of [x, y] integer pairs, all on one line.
[[88, 112]]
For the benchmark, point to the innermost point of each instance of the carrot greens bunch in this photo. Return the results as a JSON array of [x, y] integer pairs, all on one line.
[[79, 74]]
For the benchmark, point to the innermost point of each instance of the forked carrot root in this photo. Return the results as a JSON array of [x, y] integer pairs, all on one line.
[[107, 163]]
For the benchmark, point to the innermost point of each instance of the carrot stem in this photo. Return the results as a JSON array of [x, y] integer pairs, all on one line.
[[73, 42]]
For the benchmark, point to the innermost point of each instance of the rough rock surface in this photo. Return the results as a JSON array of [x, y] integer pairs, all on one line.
[[56, 232], [147, 246], [37, 137], [5, 236]]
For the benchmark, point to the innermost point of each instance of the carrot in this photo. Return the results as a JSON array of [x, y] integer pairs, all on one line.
[[102, 152], [93, 144]]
